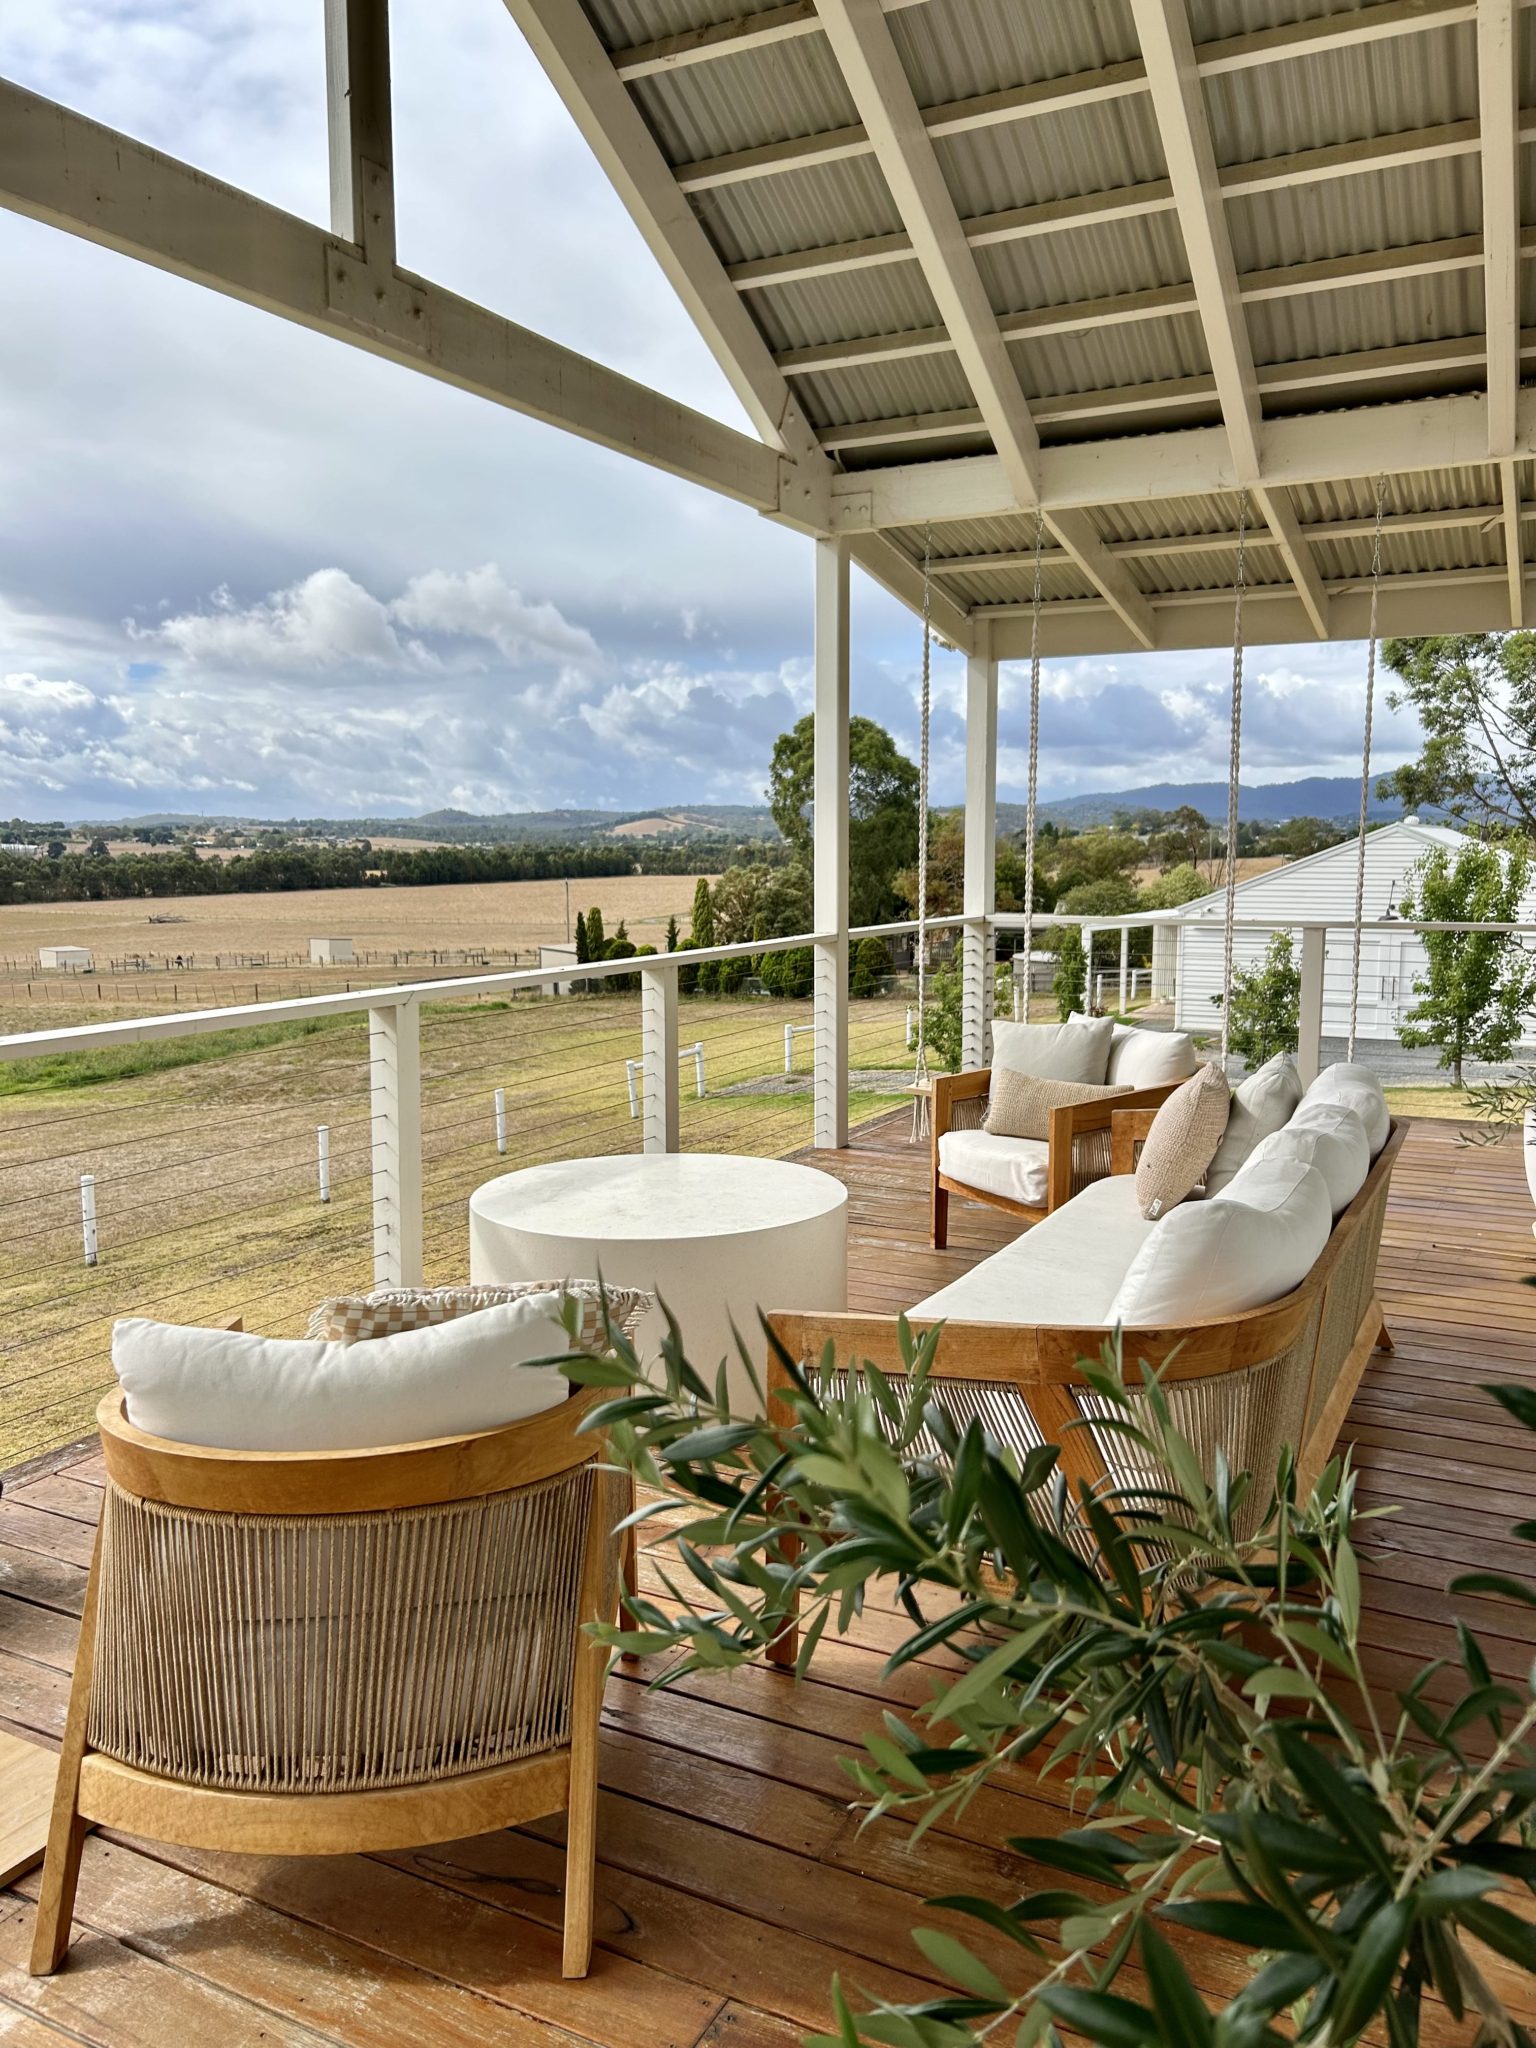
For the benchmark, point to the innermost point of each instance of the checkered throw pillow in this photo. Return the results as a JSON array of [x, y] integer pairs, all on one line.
[[353, 1318]]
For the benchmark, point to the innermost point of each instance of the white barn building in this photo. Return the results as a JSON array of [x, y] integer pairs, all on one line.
[[1319, 889], [330, 952], [73, 959]]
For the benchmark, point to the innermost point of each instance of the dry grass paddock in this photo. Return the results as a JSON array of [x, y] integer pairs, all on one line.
[[394, 932], [206, 1177]]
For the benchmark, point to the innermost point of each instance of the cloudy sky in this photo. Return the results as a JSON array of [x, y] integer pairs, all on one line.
[[243, 568]]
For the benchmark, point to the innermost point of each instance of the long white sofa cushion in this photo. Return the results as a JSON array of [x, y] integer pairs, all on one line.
[[1014, 1168], [1150, 1059], [1245, 1247], [1358, 1089], [1329, 1136], [1065, 1271]]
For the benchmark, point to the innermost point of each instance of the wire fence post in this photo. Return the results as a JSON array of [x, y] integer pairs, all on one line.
[[323, 1159], [1309, 1019], [500, 1102], [698, 1069], [88, 1216], [658, 1038], [394, 1051]]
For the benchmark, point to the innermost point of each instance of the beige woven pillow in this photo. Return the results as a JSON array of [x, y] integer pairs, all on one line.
[[354, 1318], [1020, 1105], [1182, 1141]]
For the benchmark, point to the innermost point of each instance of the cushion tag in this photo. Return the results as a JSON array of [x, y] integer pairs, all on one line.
[[1155, 1210]]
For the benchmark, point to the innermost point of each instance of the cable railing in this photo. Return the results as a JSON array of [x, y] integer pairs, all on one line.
[[260, 1181]]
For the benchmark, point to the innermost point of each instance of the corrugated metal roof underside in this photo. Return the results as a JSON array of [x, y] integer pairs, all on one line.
[[958, 50]]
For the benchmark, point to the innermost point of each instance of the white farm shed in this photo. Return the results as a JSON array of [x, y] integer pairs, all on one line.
[[1321, 890], [75, 959], [330, 952]]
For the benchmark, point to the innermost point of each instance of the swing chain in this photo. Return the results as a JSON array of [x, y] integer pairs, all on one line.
[[1234, 771], [1365, 771]]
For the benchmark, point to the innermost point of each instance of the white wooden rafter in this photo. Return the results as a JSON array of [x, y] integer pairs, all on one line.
[[877, 82], [731, 38], [1173, 76], [359, 127], [1498, 29]]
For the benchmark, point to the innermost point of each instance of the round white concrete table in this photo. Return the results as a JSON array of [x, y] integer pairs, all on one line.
[[715, 1236]]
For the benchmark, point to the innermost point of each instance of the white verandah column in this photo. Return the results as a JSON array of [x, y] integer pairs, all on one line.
[[829, 825], [980, 851]]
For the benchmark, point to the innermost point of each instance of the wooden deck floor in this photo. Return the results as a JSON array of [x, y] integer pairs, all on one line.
[[733, 1880]]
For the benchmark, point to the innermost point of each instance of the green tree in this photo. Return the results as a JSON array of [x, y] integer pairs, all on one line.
[[1266, 1004], [1181, 838], [597, 944], [1071, 971], [871, 964], [1171, 888], [671, 940], [943, 1025], [1480, 984], [702, 924], [583, 950], [1474, 695], [1111, 896], [882, 810]]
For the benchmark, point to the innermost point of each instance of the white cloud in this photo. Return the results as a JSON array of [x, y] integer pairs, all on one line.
[[323, 622], [481, 604]]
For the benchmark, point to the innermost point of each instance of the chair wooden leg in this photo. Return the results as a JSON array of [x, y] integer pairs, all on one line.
[[66, 1830], [1384, 1339], [580, 1854], [940, 1218]]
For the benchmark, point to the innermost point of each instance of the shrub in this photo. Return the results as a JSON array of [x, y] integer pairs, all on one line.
[[1071, 971], [871, 965], [1266, 1004]]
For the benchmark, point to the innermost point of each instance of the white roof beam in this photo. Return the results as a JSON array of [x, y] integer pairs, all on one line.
[[71, 173], [894, 570], [567, 46], [1189, 462], [1498, 111], [1514, 543], [732, 38], [1133, 202], [873, 72]]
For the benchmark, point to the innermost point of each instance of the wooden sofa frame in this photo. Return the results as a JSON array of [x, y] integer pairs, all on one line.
[[1327, 1328], [1079, 1144], [469, 1477]]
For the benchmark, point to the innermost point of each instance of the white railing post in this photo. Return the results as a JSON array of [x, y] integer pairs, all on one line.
[[829, 826], [658, 1039], [976, 992], [323, 1159], [394, 1055], [1309, 1037], [88, 1216], [1125, 968], [1086, 933], [499, 1104]]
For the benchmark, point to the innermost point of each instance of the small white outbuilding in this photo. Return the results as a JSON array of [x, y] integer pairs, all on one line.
[[1319, 889], [330, 952], [71, 959]]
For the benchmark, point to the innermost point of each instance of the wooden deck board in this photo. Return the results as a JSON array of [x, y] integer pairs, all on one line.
[[733, 1878]]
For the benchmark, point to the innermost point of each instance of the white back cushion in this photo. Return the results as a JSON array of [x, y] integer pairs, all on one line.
[[239, 1392], [1247, 1247], [1358, 1089], [1262, 1103], [1077, 1050], [1331, 1138], [1149, 1059]]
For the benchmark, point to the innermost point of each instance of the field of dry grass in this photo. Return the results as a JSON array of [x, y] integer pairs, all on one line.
[[241, 949], [207, 1184]]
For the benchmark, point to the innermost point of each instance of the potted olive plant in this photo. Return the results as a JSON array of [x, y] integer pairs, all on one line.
[[1200, 1691]]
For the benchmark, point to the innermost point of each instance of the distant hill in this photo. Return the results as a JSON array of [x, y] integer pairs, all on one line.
[[733, 822], [1269, 803]]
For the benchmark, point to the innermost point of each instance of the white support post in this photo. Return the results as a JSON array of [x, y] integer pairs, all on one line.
[[976, 998], [1125, 968], [697, 1056], [394, 1055], [830, 844], [1309, 1039], [1086, 932], [658, 1031], [323, 1159], [88, 1216], [499, 1103], [359, 125]]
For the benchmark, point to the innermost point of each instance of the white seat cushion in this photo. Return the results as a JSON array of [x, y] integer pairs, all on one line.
[[1326, 1135], [1066, 1270], [1358, 1089], [1246, 1247], [1150, 1059], [1075, 1050], [1014, 1168], [238, 1392], [1262, 1103]]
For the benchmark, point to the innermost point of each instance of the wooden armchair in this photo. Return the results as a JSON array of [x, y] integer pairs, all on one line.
[[1079, 1145], [293, 1653]]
